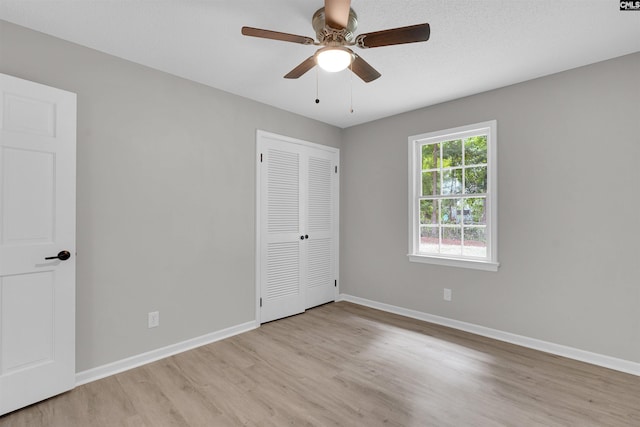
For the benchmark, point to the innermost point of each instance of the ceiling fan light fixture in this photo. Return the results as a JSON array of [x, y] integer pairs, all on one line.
[[334, 59]]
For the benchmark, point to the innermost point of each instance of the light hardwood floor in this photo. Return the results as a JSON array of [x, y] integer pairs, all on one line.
[[346, 365]]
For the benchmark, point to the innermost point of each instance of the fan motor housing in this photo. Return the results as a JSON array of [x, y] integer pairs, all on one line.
[[330, 36]]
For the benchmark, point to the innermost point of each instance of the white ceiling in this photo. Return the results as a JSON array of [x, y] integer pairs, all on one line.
[[475, 45]]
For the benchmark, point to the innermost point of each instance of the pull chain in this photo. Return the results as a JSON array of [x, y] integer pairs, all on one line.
[[351, 88], [317, 85]]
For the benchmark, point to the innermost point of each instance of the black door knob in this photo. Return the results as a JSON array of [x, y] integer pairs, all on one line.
[[301, 237], [306, 236], [62, 256]]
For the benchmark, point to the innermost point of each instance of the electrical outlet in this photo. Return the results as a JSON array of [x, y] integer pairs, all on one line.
[[154, 319], [447, 294]]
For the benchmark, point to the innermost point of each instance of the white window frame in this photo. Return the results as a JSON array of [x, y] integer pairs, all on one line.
[[490, 263]]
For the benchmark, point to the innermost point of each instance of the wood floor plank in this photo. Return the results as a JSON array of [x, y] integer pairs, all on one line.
[[346, 365]]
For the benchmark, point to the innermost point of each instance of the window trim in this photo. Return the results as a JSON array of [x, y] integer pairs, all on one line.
[[415, 153]]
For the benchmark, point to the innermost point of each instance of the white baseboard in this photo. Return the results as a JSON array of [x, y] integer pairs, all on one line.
[[160, 353], [548, 347]]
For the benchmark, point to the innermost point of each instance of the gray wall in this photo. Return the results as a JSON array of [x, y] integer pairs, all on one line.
[[569, 239], [166, 195]]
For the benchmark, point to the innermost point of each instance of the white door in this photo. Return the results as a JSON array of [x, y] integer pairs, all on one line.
[[37, 221], [321, 219], [297, 225]]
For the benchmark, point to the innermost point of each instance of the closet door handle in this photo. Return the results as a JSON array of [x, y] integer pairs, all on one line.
[[306, 236], [301, 237]]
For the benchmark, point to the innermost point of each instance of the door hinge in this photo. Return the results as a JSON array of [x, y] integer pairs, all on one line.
[[260, 302], [335, 283], [260, 157], [336, 169]]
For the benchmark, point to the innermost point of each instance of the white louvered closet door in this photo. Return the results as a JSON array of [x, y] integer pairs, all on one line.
[[297, 225], [319, 253]]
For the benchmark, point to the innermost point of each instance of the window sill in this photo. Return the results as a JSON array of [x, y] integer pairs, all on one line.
[[455, 262]]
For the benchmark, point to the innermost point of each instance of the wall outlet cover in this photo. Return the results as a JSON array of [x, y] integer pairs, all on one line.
[[154, 319]]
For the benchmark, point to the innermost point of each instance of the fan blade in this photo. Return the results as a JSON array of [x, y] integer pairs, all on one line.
[[336, 13], [306, 65], [275, 35], [362, 69], [410, 34]]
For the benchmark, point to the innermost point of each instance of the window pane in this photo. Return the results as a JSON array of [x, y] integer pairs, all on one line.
[[429, 239], [475, 150], [450, 211], [452, 181], [430, 183], [452, 153], [430, 156], [475, 211], [451, 241], [475, 242], [475, 180], [428, 212]]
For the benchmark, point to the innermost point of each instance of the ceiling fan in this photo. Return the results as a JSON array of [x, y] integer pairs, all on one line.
[[335, 24]]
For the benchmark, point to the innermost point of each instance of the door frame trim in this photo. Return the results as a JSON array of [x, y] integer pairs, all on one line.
[[262, 134]]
